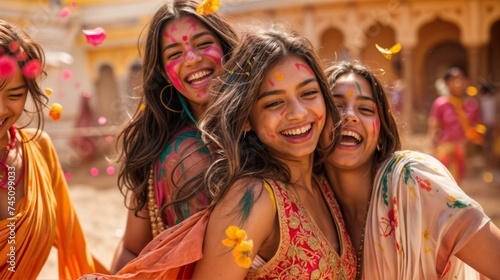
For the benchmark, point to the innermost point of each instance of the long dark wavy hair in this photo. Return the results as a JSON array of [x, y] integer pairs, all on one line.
[[236, 155], [389, 138], [19, 45], [151, 130]]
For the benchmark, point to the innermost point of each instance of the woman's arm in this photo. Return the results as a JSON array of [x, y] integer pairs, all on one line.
[[482, 251], [137, 235], [218, 262]]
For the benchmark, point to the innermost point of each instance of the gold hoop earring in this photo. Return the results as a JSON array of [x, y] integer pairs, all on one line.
[[170, 101]]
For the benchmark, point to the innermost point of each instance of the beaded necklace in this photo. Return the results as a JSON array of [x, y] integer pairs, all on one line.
[[3, 163], [359, 253], [157, 224]]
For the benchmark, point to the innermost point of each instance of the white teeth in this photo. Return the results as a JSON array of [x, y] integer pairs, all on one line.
[[352, 134], [297, 131], [198, 75], [2, 121]]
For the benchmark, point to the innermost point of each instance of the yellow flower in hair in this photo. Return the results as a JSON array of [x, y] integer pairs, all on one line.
[[242, 253], [235, 236], [208, 7]]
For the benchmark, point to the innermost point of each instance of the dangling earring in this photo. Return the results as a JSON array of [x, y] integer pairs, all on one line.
[[171, 96], [379, 147], [244, 134]]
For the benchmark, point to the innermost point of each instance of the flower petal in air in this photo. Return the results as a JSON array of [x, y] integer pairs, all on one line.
[[64, 13], [55, 111], [48, 91], [7, 66], [95, 36]]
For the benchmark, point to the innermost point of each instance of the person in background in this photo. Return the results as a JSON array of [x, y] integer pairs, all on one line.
[[184, 51], [489, 105], [37, 212], [406, 216], [452, 122]]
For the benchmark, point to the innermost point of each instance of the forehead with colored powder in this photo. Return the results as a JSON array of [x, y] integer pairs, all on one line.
[[280, 76]]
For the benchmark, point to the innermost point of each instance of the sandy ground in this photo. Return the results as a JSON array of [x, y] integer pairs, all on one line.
[[102, 213]]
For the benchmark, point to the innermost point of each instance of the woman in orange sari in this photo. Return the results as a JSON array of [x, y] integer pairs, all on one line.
[[37, 212]]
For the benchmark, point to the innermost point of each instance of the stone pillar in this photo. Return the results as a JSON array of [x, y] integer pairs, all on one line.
[[408, 79], [473, 63]]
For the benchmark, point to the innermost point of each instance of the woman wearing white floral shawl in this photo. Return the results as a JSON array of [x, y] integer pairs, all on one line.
[[403, 210]]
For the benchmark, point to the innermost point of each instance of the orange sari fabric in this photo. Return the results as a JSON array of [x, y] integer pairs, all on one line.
[[44, 217]]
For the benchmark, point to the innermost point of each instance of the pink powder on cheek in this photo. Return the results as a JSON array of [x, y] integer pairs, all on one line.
[[272, 136], [376, 126], [214, 54], [271, 83], [172, 75], [320, 118], [283, 112]]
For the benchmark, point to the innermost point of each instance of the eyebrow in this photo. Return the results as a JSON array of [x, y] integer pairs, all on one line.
[[271, 92], [195, 36], [23, 86], [360, 97]]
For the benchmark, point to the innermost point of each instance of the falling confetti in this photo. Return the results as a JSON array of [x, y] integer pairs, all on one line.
[[95, 36], [488, 177], [94, 171], [73, 4], [67, 74], [102, 120], [142, 107], [55, 111], [208, 7], [110, 170], [68, 176], [471, 91], [65, 12], [48, 91], [389, 52]]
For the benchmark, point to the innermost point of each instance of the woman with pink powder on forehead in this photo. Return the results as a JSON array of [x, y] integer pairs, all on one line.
[[183, 52]]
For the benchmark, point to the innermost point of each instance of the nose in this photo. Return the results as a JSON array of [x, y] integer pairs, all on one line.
[[296, 111], [350, 116], [191, 57]]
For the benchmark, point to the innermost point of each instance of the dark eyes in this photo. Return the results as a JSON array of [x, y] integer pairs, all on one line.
[[16, 96], [367, 109], [178, 53]]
